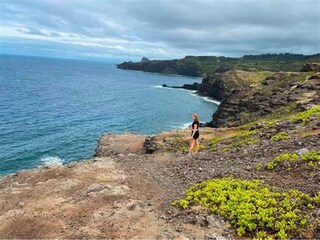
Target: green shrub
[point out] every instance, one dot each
(305, 115)
(287, 159)
(201, 147)
(259, 166)
(313, 158)
(252, 207)
(246, 141)
(245, 133)
(280, 136)
(215, 140)
(213, 149)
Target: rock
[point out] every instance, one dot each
(251, 103)
(214, 222)
(302, 151)
(150, 145)
(182, 237)
(72, 164)
(213, 236)
(309, 67)
(117, 204)
(131, 205)
(21, 204)
(97, 188)
(144, 59)
(115, 144)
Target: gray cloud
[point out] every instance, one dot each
(162, 29)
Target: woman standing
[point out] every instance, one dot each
(194, 134)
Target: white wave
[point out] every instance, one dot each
(172, 88)
(183, 126)
(211, 100)
(51, 160)
(157, 86)
(207, 99)
(193, 92)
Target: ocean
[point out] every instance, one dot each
(55, 110)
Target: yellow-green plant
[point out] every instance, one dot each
(244, 133)
(305, 115)
(246, 141)
(280, 136)
(287, 159)
(313, 158)
(282, 159)
(252, 207)
(215, 140)
(259, 166)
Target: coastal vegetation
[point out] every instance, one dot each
(201, 66)
(256, 175)
(253, 207)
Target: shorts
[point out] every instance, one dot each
(196, 135)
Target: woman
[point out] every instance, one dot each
(194, 134)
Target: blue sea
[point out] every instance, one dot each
(55, 110)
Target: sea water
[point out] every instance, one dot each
(54, 110)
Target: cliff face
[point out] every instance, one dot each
(180, 67)
(279, 93)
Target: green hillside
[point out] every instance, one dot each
(201, 66)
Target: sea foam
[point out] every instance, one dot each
(51, 160)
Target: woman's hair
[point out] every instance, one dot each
(196, 116)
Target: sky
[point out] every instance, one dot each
(163, 29)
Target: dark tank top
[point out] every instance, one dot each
(195, 122)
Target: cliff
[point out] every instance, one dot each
(279, 93)
(262, 160)
(124, 192)
(201, 66)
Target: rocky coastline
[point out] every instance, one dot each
(203, 66)
(126, 190)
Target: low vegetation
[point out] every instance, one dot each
(254, 208)
(280, 136)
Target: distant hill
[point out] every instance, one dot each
(201, 66)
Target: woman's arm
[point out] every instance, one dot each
(195, 126)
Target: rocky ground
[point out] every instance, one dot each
(120, 195)
(123, 194)
(126, 190)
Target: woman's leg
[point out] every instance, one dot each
(197, 145)
(192, 142)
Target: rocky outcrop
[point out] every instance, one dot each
(280, 93)
(144, 59)
(150, 144)
(222, 84)
(178, 67)
(311, 67)
(115, 144)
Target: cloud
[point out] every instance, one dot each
(162, 29)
